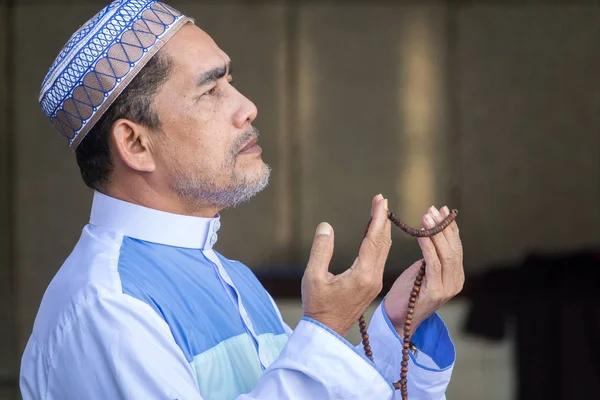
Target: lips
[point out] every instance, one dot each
(248, 145)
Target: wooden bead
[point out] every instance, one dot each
(365, 336)
(408, 322)
(411, 304)
(405, 357)
(409, 317)
(369, 354)
(413, 293)
(404, 363)
(404, 369)
(411, 312)
(416, 289)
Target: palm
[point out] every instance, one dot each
(396, 303)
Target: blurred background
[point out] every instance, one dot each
(491, 107)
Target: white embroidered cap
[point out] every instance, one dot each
(101, 59)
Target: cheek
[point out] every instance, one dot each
(202, 131)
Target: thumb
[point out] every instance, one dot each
(321, 252)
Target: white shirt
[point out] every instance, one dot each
(144, 308)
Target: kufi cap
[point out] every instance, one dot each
(101, 59)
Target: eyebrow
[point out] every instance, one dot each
(214, 74)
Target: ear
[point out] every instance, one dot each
(133, 145)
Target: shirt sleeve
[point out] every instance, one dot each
(429, 372)
(119, 348)
(317, 363)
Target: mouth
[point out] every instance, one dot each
(251, 147)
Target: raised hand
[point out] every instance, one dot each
(444, 277)
(337, 301)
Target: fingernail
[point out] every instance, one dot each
(379, 197)
(323, 229)
(429, 220)
(385, 204)
(445, 210)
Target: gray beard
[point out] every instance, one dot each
(206, 193)
(202, 192)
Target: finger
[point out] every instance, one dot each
(387, 230)
(433, 264)
(321, 253)
(439, 217)
(453, 238)
(374, 202)
(445, 252)
(453, 227)
(430, 220)
(376, 245)
(452, 234)
(377, 198)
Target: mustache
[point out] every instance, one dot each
(243, 139)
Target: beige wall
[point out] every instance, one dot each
(491, 108)
(8, 352)
(529, 119)
(371, 118)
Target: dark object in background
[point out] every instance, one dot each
(554, 301)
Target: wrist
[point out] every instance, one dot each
(335, 325)
(397, 316)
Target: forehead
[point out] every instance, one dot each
(194, 51)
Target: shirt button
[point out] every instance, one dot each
(217, 225)
(213, 239)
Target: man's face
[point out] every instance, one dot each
(205, 150)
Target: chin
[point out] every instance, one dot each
(253, 167)
(262, 175)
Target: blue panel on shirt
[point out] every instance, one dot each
(184, 288)
(254, 297)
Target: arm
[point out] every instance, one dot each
(317, 363)
(324, 338)
(119, 348)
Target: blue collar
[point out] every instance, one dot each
(151, 225)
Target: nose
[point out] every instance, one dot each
(245, 114)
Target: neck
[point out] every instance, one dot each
(159, 200)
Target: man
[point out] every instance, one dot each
(144, 308)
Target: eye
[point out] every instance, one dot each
(212, 91)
